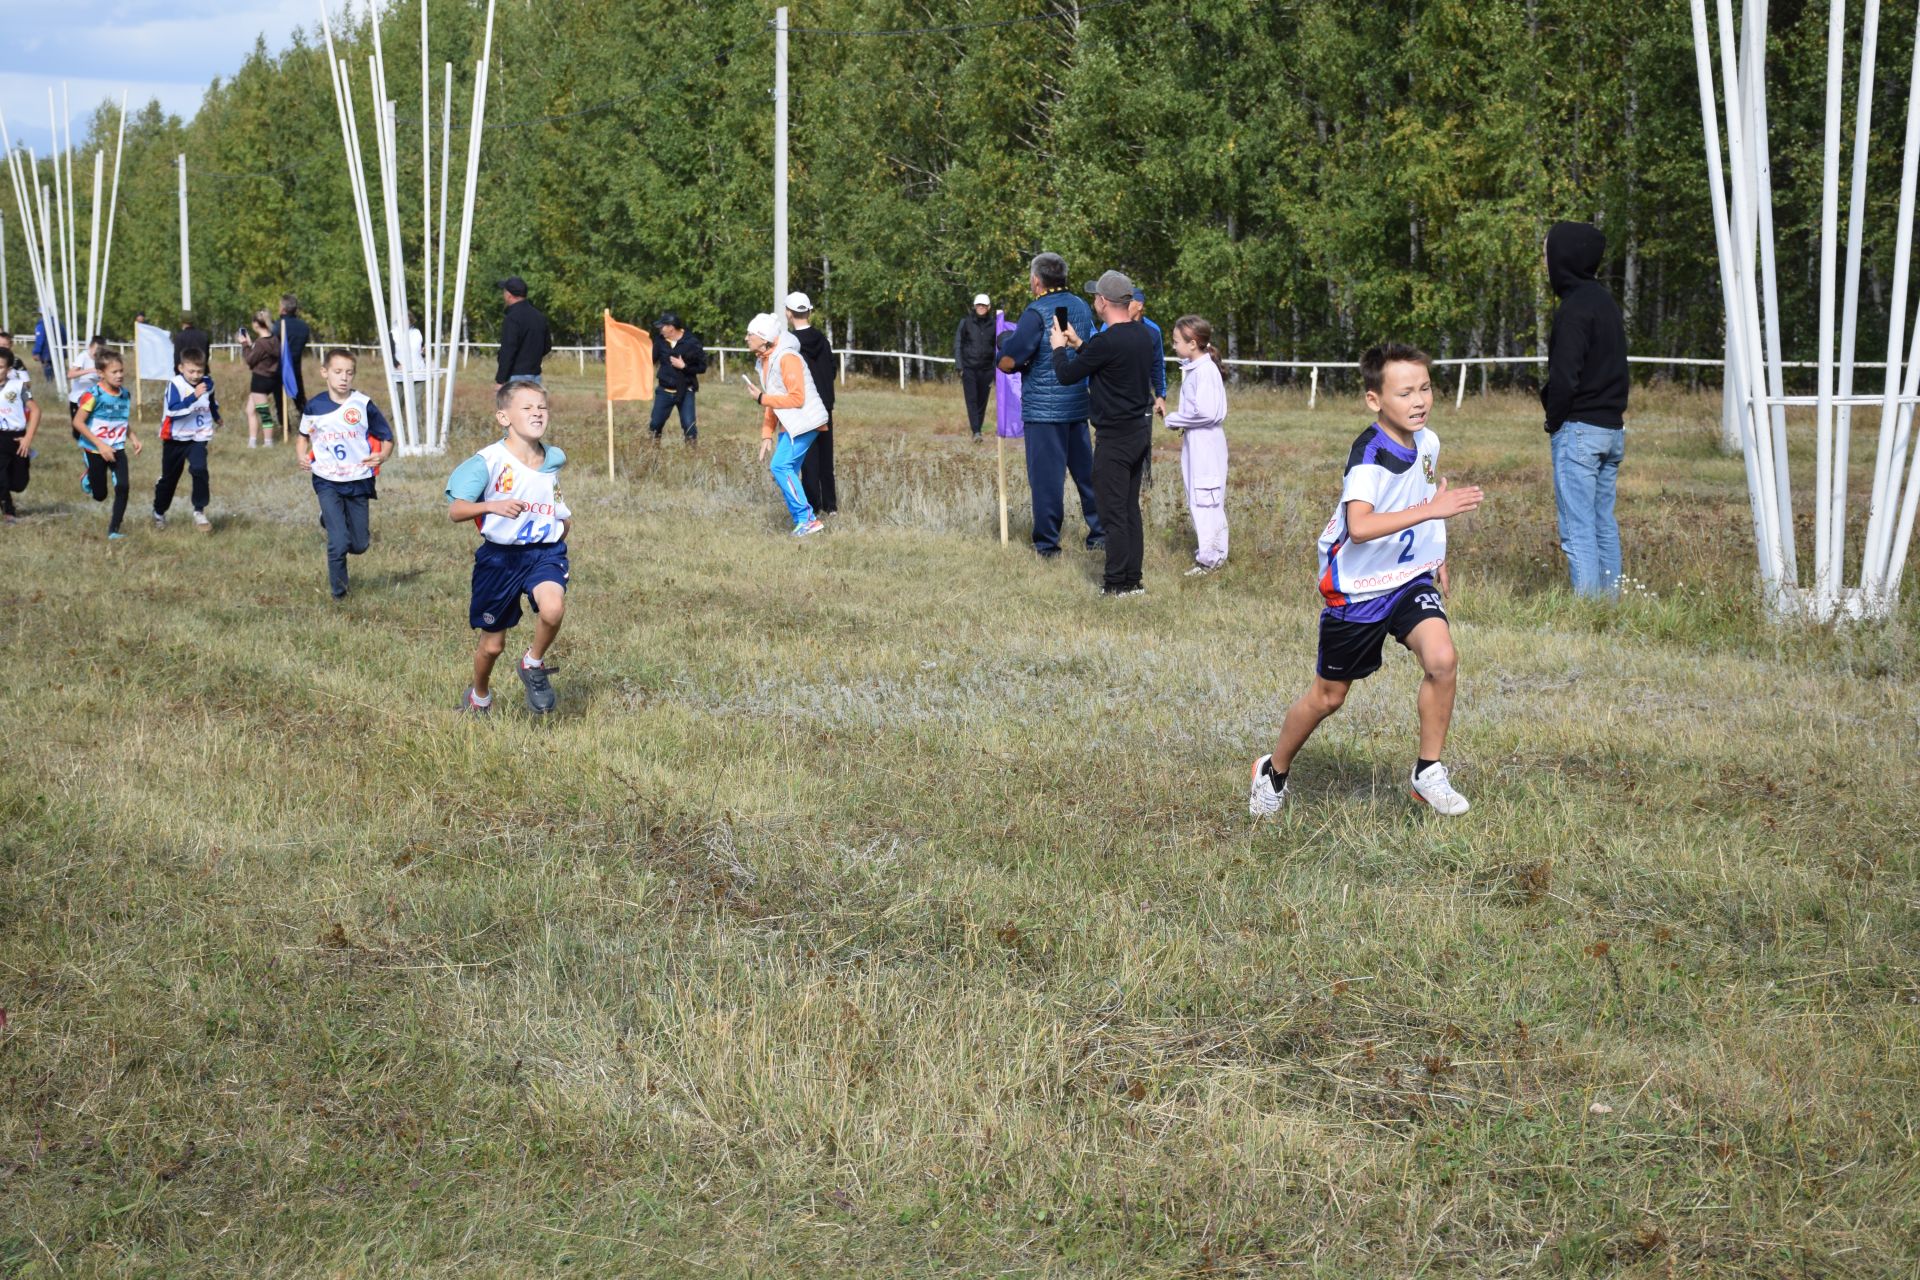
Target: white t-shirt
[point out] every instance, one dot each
(494, 473)
(15, 396)
(1389, 477)
(412, 364)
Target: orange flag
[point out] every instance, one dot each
(629, 361)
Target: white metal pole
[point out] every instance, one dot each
(1758, 164)
(425, 320)
(113, 204)
(78, 341)
(1823, 583)
(93, 247)
(59, 340)
(439, 442)
(1874, 556)
(388, 124)
(780, 164)
(1729, 287)
(55, 317)
(368, 246)
(6, 307)
(186, 268)
(474, 128)
(1850, 307)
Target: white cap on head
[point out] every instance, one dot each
(982, 300)
(765, 325)
(799, 303)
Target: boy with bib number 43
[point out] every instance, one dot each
(347, 440)
(510, 491)
(1383, 571)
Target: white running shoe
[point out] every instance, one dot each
(159, 520)
(201, 522)
(1433, 788)
(1262, 799)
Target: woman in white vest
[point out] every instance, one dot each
(793, 414)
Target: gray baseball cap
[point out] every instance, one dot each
(1112, 286)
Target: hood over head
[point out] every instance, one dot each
(1574, 250)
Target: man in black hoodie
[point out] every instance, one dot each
(974, 351)
(525, 338)
(1585, 398)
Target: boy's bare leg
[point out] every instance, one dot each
(492, 645)
(1322, 698)
(1432, 643)
(550, 601)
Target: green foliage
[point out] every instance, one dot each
(1311, 176)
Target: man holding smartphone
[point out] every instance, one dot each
(1117, 364)
(1053, 414)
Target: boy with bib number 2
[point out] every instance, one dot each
(1383, 569)
(509, 490)
(347, 440)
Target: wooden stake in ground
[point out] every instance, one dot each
(609, 439)
(1000, 449)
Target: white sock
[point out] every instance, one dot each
(528, 660)
(479, 701)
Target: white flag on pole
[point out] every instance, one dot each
(153, 346)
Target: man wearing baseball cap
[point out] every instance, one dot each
(1117, 365)
(525, 338)
(816, 350)
(679, 359)
(973, 353)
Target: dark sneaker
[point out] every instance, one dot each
(540, 695)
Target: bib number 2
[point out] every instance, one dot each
(1406, 552)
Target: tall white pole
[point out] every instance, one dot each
(474, 129)
(61, 340)
(368, 246)
(388, 126)
(1885, 493)
(779, 160)
(1850, 307)
(439, 441)
(93, 248)
(1755, 60)
(51, 238)
(426, 318)
(6, 307)
(79, 340)
(113, 204)
(1823, 583)
(186, 270)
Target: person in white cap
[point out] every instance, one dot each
(792, 414)
(816, 348)
(974, 349)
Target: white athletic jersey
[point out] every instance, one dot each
(195, 421)
(14, 398)
(80, 384)
(544, 513)
(1390, 477)
(339, 441)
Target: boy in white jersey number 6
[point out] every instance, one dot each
(347, 438)
(510, 491)
(1383, 570)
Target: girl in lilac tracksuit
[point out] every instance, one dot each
(1201, 421)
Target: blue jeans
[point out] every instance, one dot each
(665, 402)
(1055, 450)
(1586, 465)
(788, 453)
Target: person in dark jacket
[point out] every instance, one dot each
(190, 337)
(525, 338)
(1585, 398)
(43, 349)
(973, 355)
(1053, 415)
(678, 361)
(295, 337)
(816, 469)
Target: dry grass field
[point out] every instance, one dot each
(885, 905)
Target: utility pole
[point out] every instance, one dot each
(779, 160)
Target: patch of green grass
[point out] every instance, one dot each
(885, 905)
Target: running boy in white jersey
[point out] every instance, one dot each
(509, 490)
(186, 425)
(19, 423)
(347, 440)
(1379, 559)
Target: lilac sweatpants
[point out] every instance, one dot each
(1203, 468)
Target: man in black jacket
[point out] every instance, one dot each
(816, 349)
(1117, 365)
(973, 354)
(678, 362)
(189, 337)
(525, 338)
(1585, 398)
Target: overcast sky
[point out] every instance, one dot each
(165, 49)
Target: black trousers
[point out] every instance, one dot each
(15, 469)
(1120, 453)
(177, 456)
(97, 469)
(345, 516)
(816, 473)
(976, 384)
(665, 402)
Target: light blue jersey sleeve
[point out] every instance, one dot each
(468, 481)
(554, 460)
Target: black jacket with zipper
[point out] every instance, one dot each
(1587, 349)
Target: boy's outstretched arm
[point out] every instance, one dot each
(1366, 524)
(460, 510)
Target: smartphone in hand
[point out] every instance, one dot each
(1060, 319)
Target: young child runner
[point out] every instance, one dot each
(187, 421)
(80, 380)
(1201, 421)
(792, 415)
(1378, 559)
(347, 440)
(102, 421)
(19, 423)
(509, 489)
